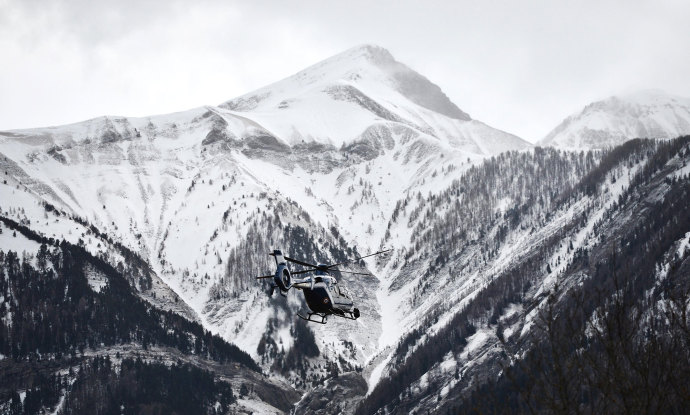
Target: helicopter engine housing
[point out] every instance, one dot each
(282, 278)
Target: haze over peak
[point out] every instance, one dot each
(371, 52)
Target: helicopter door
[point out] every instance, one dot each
(341, 298)
(318, 299)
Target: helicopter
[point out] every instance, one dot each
(322, 293)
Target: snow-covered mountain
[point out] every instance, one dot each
(610, 122)
(576, 255)
(335, 103)
(351, 155)
(315, 164)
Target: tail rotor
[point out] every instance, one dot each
(282, 278)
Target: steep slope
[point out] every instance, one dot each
(66, 313)
(630, 205)
(609, 334)
(188, 204)
(607, 123)
(477, 249)
(353, 154)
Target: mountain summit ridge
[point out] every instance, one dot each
(641, 114)
(373, 63)
(412, 84)
(338, 102)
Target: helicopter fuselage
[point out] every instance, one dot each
(322, 293)
(326, 296)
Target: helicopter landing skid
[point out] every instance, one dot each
(346, 314)
(308, 318)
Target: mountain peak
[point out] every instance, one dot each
(414, 86)
(367, 66)
(650, 113)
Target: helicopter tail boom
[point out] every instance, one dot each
(282, 277)
(278, 255)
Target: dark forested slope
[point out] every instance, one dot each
(64, 339)
(599, 336)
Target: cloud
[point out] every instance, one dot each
(519, 66)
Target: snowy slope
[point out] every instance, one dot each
(335, 101)
(645, 114)
(473, 271)
(314, 164)
(351, 155)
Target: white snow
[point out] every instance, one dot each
(682, 173)
(683, 245)
(377, 372)
(475, 341)
(60, 404)
(19, 243)
(151, 185)
(95, 279)
(645, 114)
(257, 407)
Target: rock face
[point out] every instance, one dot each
(607, 123)
(339, 395)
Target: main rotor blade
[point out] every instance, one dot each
(357, 259)
(302, 272)
(296, 261)
(264, 276)
(350, 272)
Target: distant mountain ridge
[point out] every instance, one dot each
(610, 122)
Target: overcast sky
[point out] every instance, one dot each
(521, 66)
